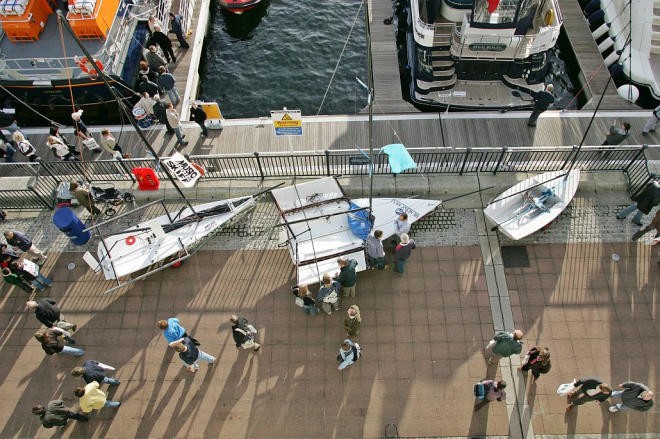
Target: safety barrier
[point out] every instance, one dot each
(33, 184)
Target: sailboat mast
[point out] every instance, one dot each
(121, 104)
(370, 84)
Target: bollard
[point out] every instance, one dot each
(67, 221)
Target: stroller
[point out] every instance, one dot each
(110, 197)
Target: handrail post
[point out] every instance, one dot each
(261, 171)
(500, 159)
(327, 162)
(465, 159)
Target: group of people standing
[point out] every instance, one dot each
(631, 395)
(56, 338)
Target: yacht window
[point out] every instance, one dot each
(504, 14)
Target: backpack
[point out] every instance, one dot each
(357, 352)
(480, 390)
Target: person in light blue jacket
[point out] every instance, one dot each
(349, 353)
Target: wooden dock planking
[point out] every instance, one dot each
(387, 83)
(589, 58)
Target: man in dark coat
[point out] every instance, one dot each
(146, 86)
(160, 111)
(634, 396)
(542, 100)
(588, 389)
(197, 114)
(56, 414)
(94, 371)
(346, 277)
(177, 29)
(243, 333)
(49, 315)
(158, 37)
(644, 201)
(22, 242)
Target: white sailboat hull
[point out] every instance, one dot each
(317, 230)
(516, 215)
(134, 249)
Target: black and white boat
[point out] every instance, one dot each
(479, 54)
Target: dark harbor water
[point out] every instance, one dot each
(284, 54)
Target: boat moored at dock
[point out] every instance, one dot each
(238, 6)
(473, 54)
(44, 71)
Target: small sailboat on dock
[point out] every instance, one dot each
(320, 224)
(533, 203)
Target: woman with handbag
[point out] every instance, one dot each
(537, 360)
(60, 149)
(328, 294)
(305, 300)
(80, 129)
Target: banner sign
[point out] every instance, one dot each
(182, 169)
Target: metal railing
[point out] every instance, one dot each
(40, 189)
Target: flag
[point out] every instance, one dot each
(492, 5)
(399, 157)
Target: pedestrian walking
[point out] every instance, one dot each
(167, 83)
(25, 147)
(160, 111)
(147, 86)
(198, 115)
(542, 100)
(504, 344)
(60, 149)
(636, 396)
(29, 272)
(16, 280)
(52, 342)
(93, 398)
(349, 353)
(80, 129)
(84, 198)
(54, 131)
(177, 29)
(352, 321)
(191, 355)
(402, 253)
(109, 143)
(49, 315)
(154, 59)
(650, 124)
(94, 371)
(173, 119)
(21, 241)
(305, 300)
(644, 202)
(173, 331)
(244, 334)
(654, 224)
(537, 360)
(56, 414)
(7, 149)
(144, 70)
(328, 295)
(616, 134)
(493, 391)
(163, 41)
(375, 251)
(346, 277)
(588, 389)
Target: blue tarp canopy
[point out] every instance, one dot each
(359, 222)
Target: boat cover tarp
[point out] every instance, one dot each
(399, 157)
(359, 222)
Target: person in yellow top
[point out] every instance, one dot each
(91, 397)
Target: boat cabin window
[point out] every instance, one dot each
(500, 14)
(429, 10)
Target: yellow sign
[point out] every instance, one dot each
(287, 122)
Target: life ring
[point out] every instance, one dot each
(549, 17)
(87, 67)
(130, 240)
